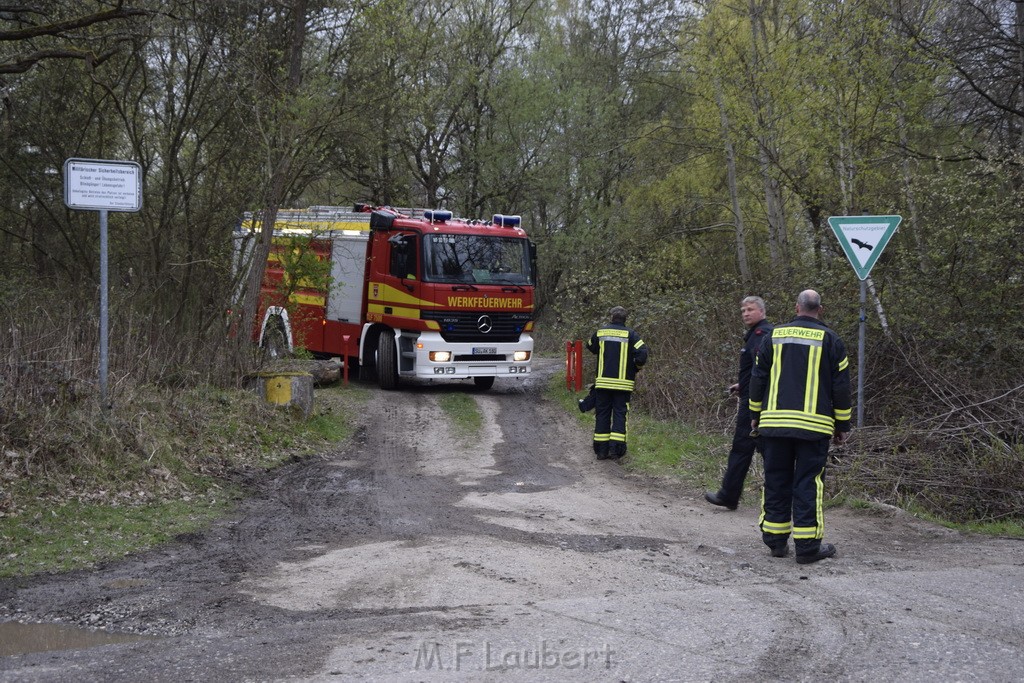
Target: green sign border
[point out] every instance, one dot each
(837, 222)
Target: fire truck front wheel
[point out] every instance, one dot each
(387, 360)
(483, 383)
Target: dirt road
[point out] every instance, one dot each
(412, 555)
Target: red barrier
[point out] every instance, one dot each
(574, 365)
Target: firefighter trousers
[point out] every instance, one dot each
(743, 446)
(610, 410)
(794, 473)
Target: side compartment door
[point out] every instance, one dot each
(348, 262)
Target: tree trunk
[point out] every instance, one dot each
(280, 156)
(764, 115)
(908, 192)
(730, 164)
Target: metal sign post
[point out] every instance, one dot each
(100, 185)
(860, 352)
(104, 310)
(863, 238)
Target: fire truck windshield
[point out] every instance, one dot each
(477, 259)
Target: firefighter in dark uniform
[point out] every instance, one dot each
(620, 353)
(799, 399)
(752, 311)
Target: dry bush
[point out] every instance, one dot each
(52, 426)
(952, 444)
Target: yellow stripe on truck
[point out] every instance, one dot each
(399, 311)
(308, 299)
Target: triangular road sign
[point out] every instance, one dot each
(863, 238)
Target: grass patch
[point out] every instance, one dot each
(161, 466)
(78, 535)
(463, 412)
(661, 448)
(1010, 528)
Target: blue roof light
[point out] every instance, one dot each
(507, 221)
(437, 215)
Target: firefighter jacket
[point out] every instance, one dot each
(751, 343)
(800, 383)
(620, 353)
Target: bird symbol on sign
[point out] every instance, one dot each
(862, 245)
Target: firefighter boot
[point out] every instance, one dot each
(825, 550)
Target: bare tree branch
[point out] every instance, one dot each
(60, 27)
(26, 62)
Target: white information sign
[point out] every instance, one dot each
(99, 185)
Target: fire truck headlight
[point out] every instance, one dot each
(521, 356)
(440, 356)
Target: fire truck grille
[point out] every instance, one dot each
(460, 326)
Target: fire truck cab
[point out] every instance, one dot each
(404, 293)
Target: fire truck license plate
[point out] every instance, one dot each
(480, 350)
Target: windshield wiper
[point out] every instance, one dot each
(465, 288)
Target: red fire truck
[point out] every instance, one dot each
(402, 292)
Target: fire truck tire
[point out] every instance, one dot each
(483, 383)
(387, 361)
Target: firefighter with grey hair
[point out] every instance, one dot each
(752, 312)
(620, 354)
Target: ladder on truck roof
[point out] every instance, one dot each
(318, 219)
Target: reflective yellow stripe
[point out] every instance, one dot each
(824, 421)
(612, 383)
(818, 530)
(843, 413)
(843, 364)
(613, 333)
(600, 359)
(760, 518)
(819, 507)
(773, 383)
(776, 527)
(800, 422)
(755, 406)
(811, 388)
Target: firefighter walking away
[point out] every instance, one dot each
(620, 354)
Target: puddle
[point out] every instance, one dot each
(20, 639)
